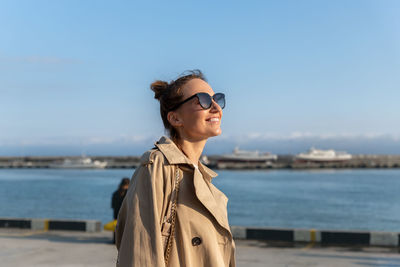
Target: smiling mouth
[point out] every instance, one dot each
(213, 120)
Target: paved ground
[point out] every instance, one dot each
(55, 248)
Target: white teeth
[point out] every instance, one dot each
(214, 119)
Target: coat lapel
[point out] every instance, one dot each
(212, 199)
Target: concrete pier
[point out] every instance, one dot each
(283, 162)
(21, 247)
(290, 162)
(51, 224)
(322, 237)
(47, 162)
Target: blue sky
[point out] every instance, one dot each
(75, 75)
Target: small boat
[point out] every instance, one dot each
(80, 163)
(248, 156)
(318, 155)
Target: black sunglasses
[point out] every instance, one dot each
(205, 100)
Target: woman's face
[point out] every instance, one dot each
(194, 122)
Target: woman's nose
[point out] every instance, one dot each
(215, 107)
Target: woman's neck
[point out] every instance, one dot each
(192, 149)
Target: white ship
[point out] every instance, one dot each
(317, 155)
(247, 156)
(80, 163)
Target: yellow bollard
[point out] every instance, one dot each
(110, 226)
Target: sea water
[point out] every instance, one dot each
(359, 199)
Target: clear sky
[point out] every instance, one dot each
(78, 72)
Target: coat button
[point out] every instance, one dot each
(196, 241)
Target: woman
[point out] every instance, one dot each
(172, 214)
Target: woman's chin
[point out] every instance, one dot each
(204, 135)
(217, 132)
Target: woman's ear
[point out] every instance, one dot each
(174, 119)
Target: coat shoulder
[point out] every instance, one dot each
(152, 156)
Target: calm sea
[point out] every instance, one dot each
(321, 199)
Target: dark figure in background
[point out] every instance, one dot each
(118, 196)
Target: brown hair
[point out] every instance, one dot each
(170, 94)
(124, 181)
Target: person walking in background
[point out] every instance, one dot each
(172, 214)
(118, 196)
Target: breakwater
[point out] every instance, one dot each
(213, 161)
(113, 162)
(324, 237)
(51, 224)
(290, 162)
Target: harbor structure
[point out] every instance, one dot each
(213, 161)
(79, 163)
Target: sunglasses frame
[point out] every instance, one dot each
(197, 95)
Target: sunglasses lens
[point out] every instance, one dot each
(219, 98)
(205, 100)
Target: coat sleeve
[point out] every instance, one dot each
(232, 262)
(138, 231)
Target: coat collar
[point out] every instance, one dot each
(214, 200)
(175, 156)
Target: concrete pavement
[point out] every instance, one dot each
(20, 247)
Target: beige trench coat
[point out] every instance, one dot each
(202, 233)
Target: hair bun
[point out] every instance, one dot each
(159, 88)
